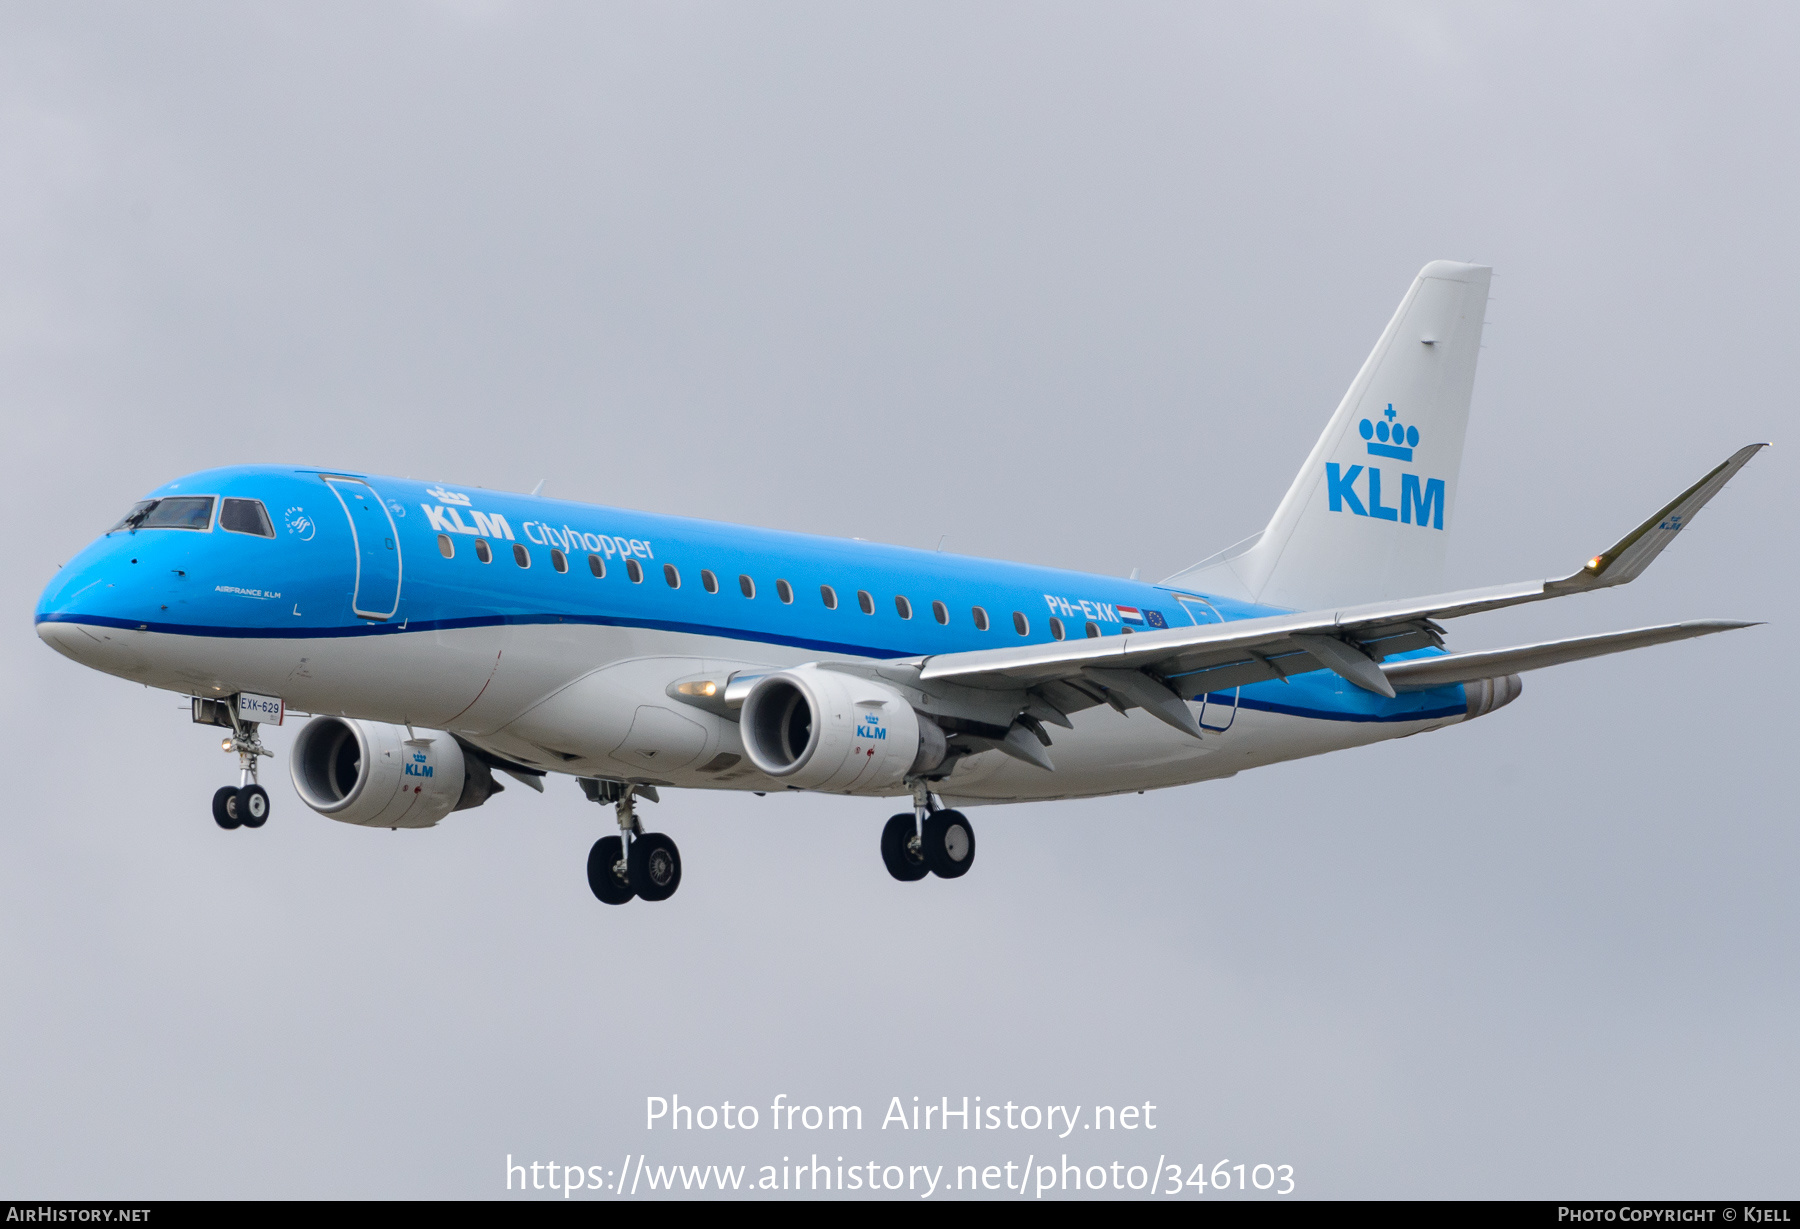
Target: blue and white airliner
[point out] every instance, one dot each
(439, 634)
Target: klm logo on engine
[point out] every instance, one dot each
(417, 767)
(869, 727)
(1421, 501)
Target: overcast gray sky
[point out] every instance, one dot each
(1071, 284)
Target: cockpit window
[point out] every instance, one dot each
(246, 516)
(179, 512)
(130, 519)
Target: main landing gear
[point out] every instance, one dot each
(929, 841)
(634, 863)
(245, 805)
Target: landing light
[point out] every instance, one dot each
(224, 744)
(1594, 564)
(706, 688)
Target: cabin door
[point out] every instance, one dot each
(377, 545)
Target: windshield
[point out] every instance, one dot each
(182, 512)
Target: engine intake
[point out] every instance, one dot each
(375, 775)
(818, 729)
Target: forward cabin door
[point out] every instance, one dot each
(377, 544)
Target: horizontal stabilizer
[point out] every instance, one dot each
(1424, 673)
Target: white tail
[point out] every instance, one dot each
(1367, 517)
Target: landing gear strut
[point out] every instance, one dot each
(634, 863)
(930, 841)
(245, 805)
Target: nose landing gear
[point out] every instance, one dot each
(636, 863)
(245, 805)
(929, 841)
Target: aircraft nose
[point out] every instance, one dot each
(89, 613)
(100, 648)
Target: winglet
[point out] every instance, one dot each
(1627, 558)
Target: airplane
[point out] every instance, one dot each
(439, 635)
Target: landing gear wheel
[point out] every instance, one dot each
(903, 861)
(253, 806)
(603, 871)
(654, 866)
(225, 807)
(948, 843)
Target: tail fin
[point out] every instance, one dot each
(1367, 516)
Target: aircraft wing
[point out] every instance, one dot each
(1155, 670)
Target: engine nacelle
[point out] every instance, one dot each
(819, 729)
(369, 773)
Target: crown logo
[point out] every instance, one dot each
(451, 497)
(1388, 438)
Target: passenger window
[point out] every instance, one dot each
(708, 581)
(1021, 624)
(521, 556)
(246, 516)
(558, 560)
(784, 591)
(981, 619)
(597, 566)
(634, 571)
(482, 551)
(904, 607)
(828, 595)
(746, 586)
(446, 547)
(1093, 631)
(1056, 628)
(672, 576)
(941, 613)
(866, 602)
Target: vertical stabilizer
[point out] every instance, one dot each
(1368, 515)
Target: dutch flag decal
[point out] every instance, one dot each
(1131, 614)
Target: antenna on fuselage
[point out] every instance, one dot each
(539, 488)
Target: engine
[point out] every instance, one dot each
(818, 729)
(376, 775)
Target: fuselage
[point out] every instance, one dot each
(550, 632)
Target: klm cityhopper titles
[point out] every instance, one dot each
(441, 636)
